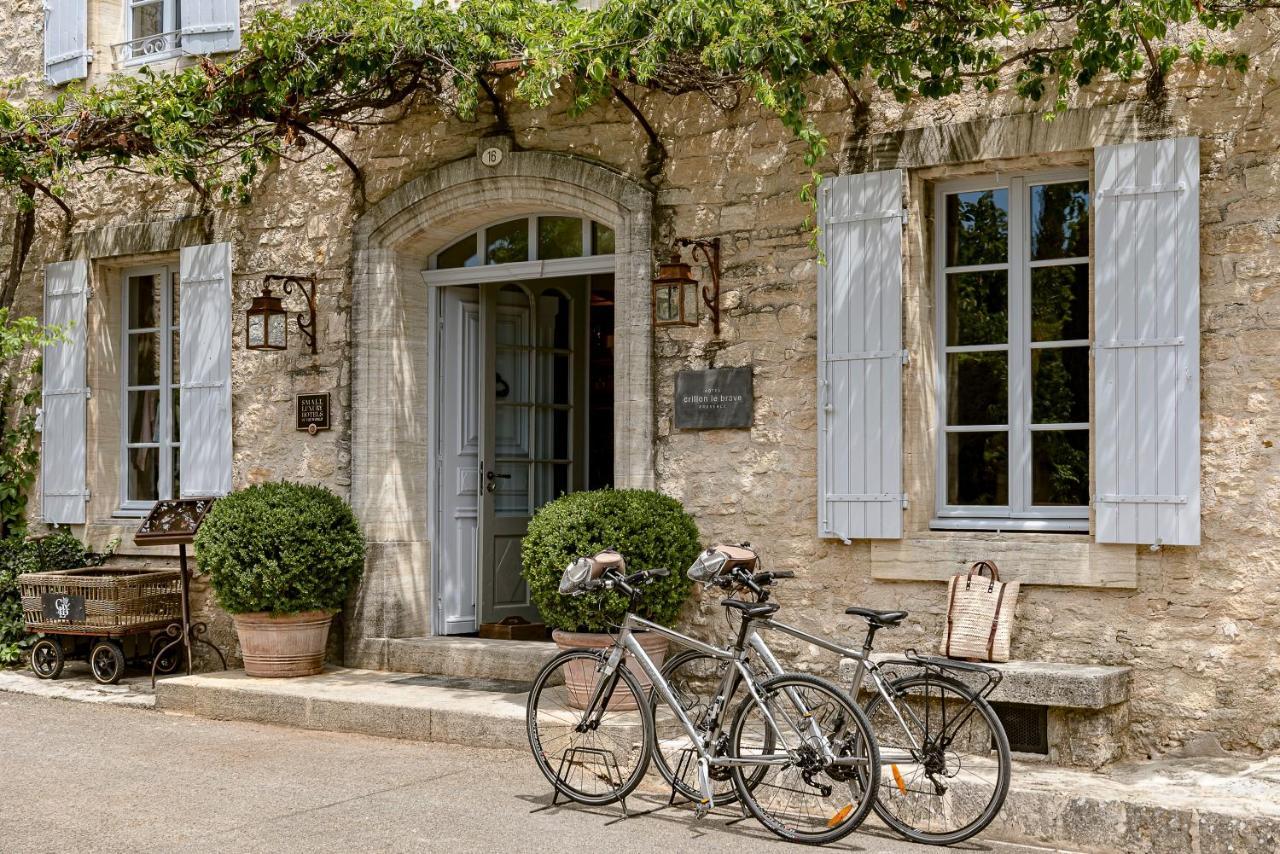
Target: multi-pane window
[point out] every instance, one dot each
(151, 28)
(1013, 285)
(535, 238)
(150, 376)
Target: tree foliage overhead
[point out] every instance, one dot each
(331, 65)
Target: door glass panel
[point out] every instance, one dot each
(507, 242)
(978, 469)
(511, 493)
(978, 228)
(1060, 220)
(559, 237)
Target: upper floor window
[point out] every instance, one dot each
(152, 28)
(1013, 330)
(149, 378)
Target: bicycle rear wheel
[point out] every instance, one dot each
(592, 759)
(946, 776)
(802, 798)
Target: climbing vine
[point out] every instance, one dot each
(307, 75)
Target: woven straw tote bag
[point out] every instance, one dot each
(979, 614)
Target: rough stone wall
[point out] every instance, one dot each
(1199, 628)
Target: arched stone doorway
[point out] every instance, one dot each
(391, 432)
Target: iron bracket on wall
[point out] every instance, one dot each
(710, 250)
(306, 319)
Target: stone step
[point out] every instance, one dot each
(466, 657)
(369, 702)
(1174, 805)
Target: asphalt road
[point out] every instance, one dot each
(79, 778)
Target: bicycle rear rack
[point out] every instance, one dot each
(940, 667)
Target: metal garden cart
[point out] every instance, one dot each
(113, 615)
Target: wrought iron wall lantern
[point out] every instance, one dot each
(267, 321)
(676, 292)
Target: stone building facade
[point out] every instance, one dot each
(1197, 624)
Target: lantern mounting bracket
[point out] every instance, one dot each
(710, 250)
(307, 285)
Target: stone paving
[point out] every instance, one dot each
(112, 779)
(1174, 805)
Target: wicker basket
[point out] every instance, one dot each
(117, 600)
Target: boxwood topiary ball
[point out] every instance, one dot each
(283, 548)
(651, 531)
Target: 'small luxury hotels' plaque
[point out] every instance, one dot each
(714, 399)
(313, 412)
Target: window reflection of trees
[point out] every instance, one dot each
(977, 314)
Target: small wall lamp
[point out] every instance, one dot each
(267, 323)
(676, 291)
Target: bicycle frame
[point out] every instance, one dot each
(626, 642)
(865, 666)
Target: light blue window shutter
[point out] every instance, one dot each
(66, 41)
(1147, 342)
(205, 391)
(860, 357)
(210, 26)
(65, 396)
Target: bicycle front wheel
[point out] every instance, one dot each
(595, 756)
(945, 776)
(791, 787)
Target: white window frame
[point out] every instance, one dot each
(165, 429)
(534, 268)
(1020, 514)
(170, 29)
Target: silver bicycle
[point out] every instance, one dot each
(799, 754)
(944, 753)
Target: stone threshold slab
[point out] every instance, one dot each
(468, 657)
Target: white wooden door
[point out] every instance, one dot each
(534, 408)
(458, 399)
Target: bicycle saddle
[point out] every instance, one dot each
(881, 619)
(751, 609)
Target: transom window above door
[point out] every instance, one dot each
(545, 237)
(1012, 278)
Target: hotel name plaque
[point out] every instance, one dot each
(714, 399)
(313, 412)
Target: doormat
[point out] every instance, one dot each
(495, 686)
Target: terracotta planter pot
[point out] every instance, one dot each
(285, 644)
(580, 675)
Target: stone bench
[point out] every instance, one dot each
(1084, 706)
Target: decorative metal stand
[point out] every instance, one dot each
(174, 523)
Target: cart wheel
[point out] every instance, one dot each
(167, 663)
(106, 660)
(46, 658)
